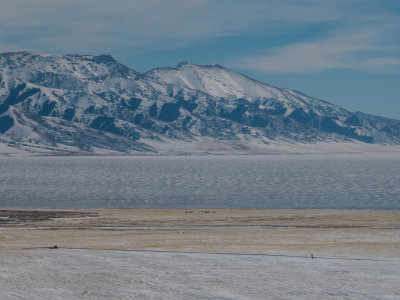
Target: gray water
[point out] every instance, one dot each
(232, 182)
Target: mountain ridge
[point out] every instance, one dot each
(92, 104)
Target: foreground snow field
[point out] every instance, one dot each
(161, 254)
(100, 274)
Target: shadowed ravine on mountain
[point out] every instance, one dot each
(87, 103)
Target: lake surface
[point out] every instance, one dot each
(232, 182)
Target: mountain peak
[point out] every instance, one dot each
(105, 58)
(214, 80)
(184, 64)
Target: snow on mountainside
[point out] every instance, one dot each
(220, 82)
(213, 80)
(73, 103)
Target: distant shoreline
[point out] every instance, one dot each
(221, 148)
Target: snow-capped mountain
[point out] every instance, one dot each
(95, 104)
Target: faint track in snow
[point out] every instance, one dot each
(215, 253)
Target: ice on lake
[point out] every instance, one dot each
(353, 181)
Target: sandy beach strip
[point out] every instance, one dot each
(336, 233)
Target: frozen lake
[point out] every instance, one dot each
(236, 182)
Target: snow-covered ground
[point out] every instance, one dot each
(204, 146)
(87, 274)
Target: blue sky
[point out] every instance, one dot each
(343, 51)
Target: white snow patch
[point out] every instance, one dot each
(85, 274)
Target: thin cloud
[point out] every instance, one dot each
(362, 50)
(84, 24)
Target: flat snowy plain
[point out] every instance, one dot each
(99, 274)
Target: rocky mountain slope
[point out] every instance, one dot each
(75, 103)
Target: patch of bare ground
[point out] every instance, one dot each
(23, 216)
